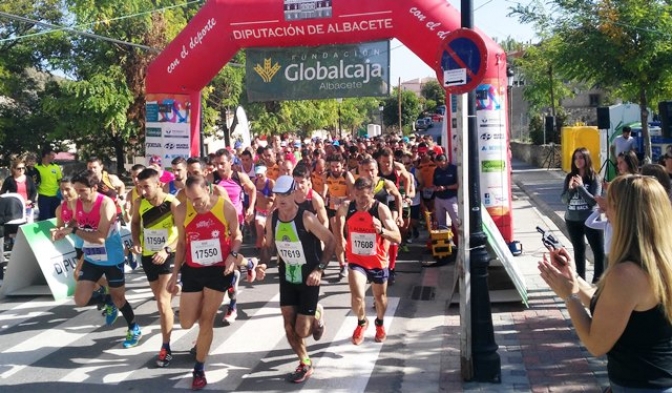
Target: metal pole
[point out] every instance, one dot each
(486, 361)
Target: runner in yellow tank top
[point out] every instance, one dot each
(155, 238)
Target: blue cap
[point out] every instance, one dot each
(405, 139)
(336, 143)
(237, 144)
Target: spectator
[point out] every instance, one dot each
(445, 192)
(627, 163)
(21, 184)
(580, 188)
(50, 176)
(630, 317)
(623, 143)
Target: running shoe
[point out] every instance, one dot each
(230, 316)
(303, 372)
(358, 335)
(164, 358)
(318, 329)
(199, 380)
(380, 333)
(133, 337)
(111, 313)
(404, 248)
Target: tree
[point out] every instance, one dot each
(24, 49)
(94, 65)
(619, 44)
(410, 109)
(433, 91)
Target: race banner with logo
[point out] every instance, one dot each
(38, 266)
(308, 73)
(167, 127)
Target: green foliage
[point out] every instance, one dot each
(430, 106)
(410, 109)
(622, 45)
(433, 91)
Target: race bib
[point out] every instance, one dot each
(206, 252)
(291, 252)
(363, 243)
(155, 239)
(95, 251)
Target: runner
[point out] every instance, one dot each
(306, 197)
(297, 234)
(370, 228)
(179, 167)
(134, 193)
(103, 252)
(208, 242)
(268, 159)
(337, 192)
(265, 199)
(155, 238)
(397, 174)
(235, 183)
(317, 177)
(386, 192)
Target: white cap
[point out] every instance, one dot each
(260, 169)
(284, 184)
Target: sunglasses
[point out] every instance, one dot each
(20, 168)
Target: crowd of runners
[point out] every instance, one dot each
(302, 203)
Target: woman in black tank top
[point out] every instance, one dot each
(630, 317)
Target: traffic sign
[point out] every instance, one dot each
(463, 61)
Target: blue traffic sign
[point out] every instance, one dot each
(463, 60)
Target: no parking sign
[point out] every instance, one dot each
(463, 60)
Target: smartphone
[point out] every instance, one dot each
(550, 241)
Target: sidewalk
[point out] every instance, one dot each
(538, 346)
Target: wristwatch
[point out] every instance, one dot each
(321, 267)
(168, 250)
(234, 254)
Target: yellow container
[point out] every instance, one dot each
(441, 234)
(580, 136)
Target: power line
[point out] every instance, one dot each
(78, 32)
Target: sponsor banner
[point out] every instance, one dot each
(38, 266)
(167, 128)
(333, 71)
(492, 145)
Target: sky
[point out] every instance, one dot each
(487, 17)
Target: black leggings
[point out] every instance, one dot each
(577, 230)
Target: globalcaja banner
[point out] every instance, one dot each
(167, 127)
(332, 71)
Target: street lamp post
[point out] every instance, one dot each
(486, 361)
(381, 108)
(510, 74)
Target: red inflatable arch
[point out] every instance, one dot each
(223, 27)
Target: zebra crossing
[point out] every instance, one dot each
(47, 345)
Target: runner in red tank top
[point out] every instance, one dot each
(370, 229)
(209, 238)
